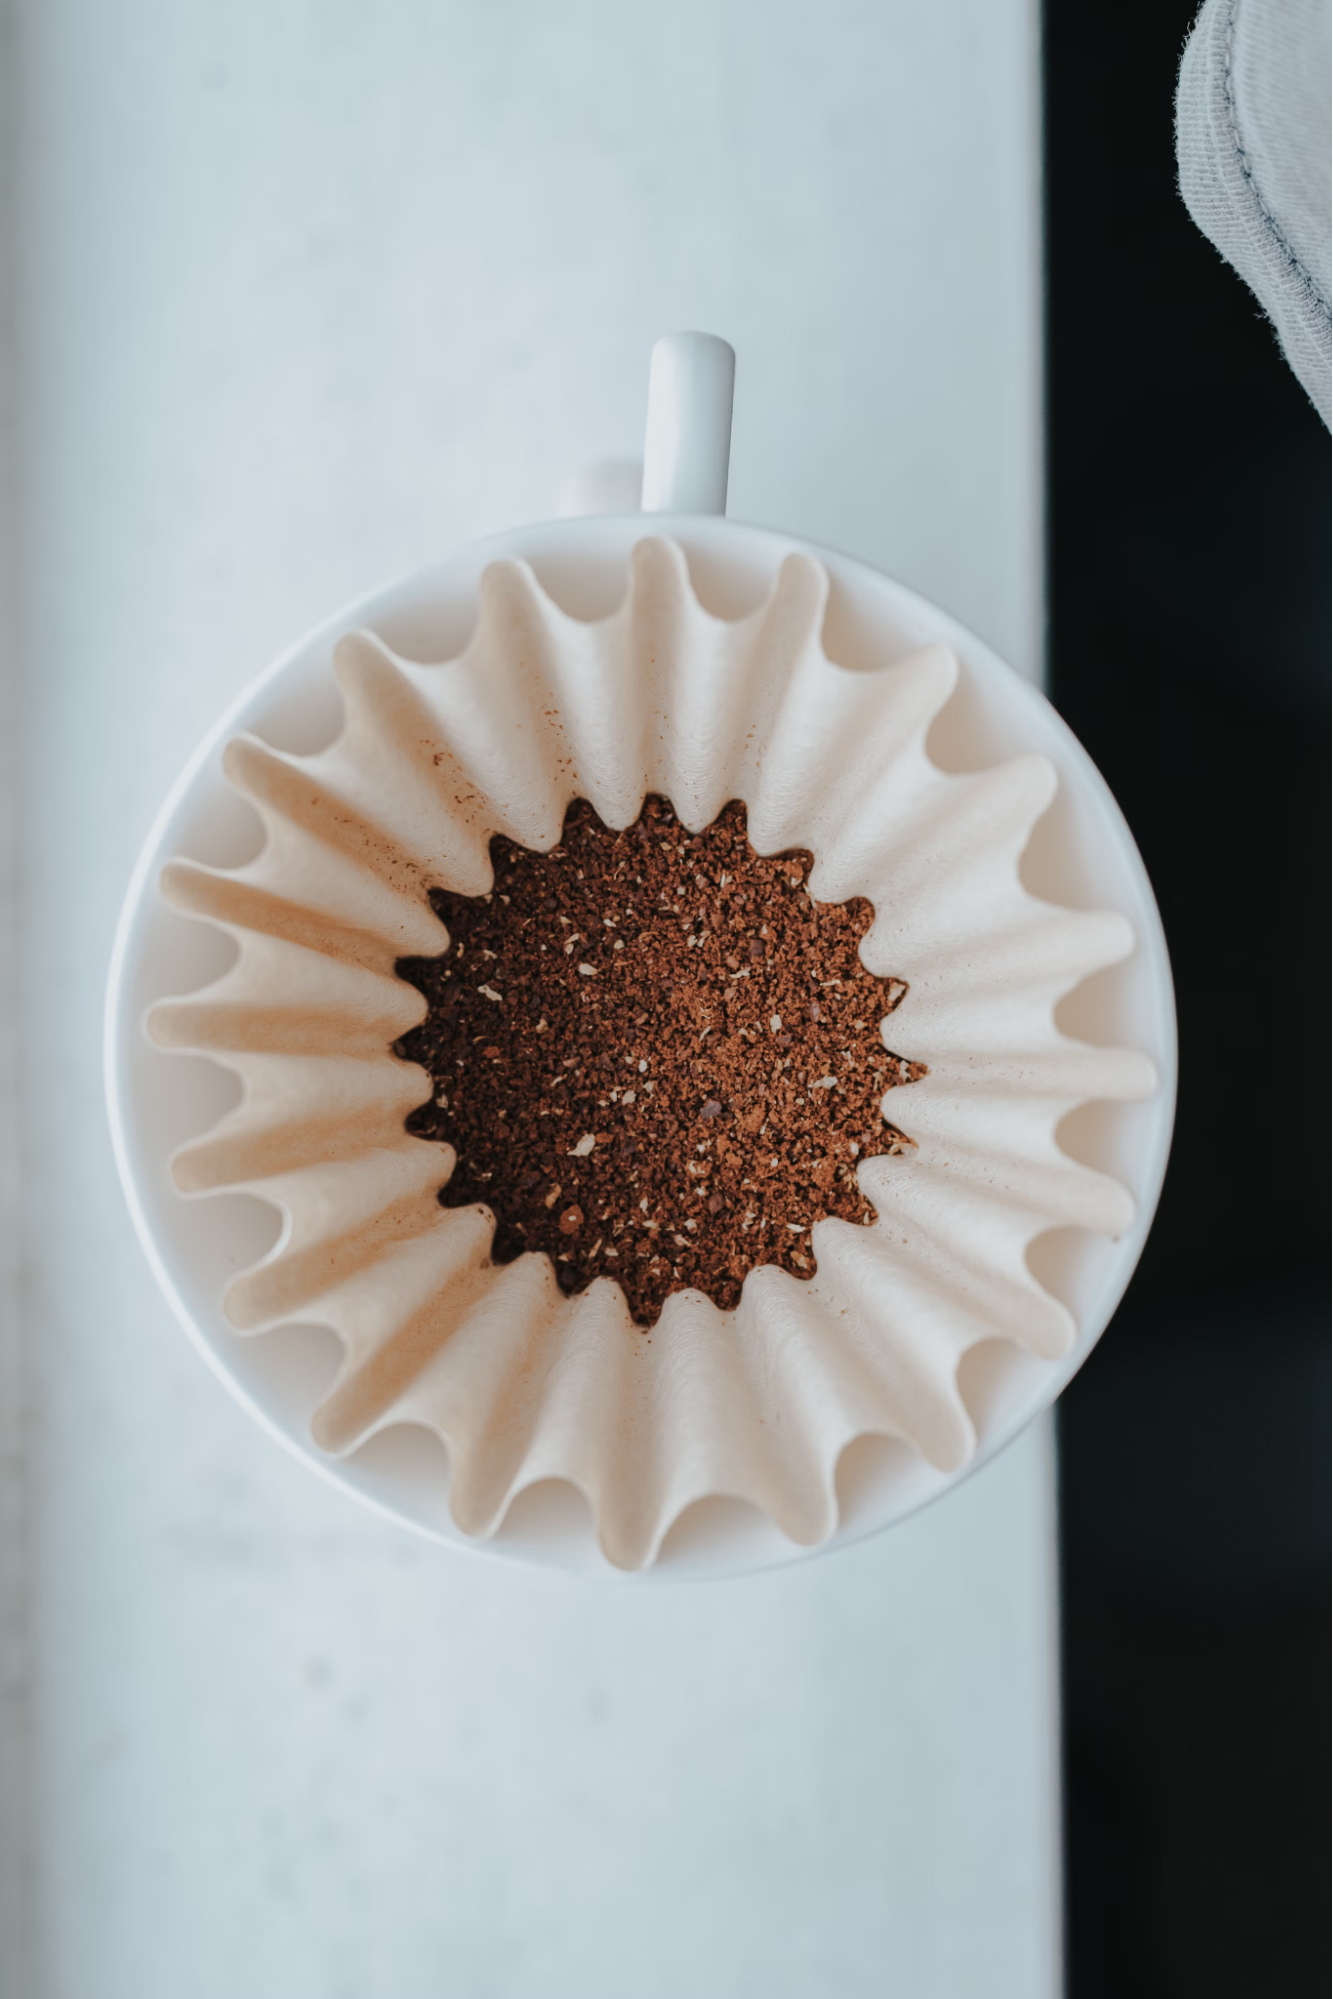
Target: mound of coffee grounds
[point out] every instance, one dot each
(657, 1058)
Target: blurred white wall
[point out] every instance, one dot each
(307, 290)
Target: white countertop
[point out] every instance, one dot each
(307, 293)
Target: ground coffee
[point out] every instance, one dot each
(657, 1058)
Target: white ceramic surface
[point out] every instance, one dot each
(1081, 855)
(310, 294)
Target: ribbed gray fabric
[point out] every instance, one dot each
(1252, 147)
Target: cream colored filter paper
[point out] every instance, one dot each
(520, 1382)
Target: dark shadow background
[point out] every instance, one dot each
(1189, 537)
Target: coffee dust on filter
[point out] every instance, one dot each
(657, 1058)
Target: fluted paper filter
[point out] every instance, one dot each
(520, 1382)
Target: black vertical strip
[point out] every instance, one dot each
(1188, 546)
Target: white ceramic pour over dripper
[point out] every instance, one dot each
(1082, 855)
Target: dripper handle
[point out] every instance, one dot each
(687, 450)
